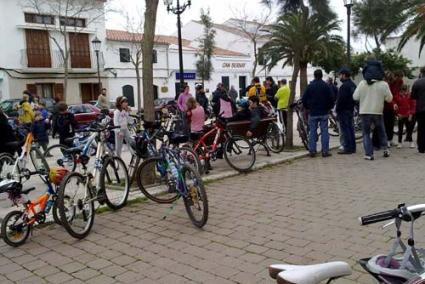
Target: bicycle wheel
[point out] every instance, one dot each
(56, 155)
(190, 157)
(114, 182)
(7, 163)
(275, 139)
(76, 212)
(155, 182)
(303, 134)
(333, 127)
(239, 153)
(38, 160)
(14, 229)
(196, 203)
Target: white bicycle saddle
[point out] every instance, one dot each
(308, 274)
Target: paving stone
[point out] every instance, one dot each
(19, 275)
(85, 274)
(58, 278)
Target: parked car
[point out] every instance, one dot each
(10, 106)
(111, 104)
(85, 113)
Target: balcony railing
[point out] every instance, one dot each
(35, 58)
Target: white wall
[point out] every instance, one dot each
(410, 50)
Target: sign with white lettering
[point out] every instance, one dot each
(233, 65)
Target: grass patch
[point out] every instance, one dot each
(130, 203)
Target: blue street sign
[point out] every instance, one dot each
(186, 76)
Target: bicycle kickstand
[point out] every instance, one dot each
(169, 210)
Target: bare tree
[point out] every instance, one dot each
(252, 27)
(63, 31)
(147, 54)
(134, 28)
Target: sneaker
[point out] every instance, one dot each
(386, 153)
(389, 144)
(412, 145)
(312, 155)
(369, 158)
(325, 155)
(399, 146)
(393, 143)
(344, 152)
(341, 148)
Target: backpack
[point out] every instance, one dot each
(226, 110)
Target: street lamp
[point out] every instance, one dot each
(178, 10)
(348, 4)
(96, 47)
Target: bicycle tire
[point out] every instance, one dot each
(231, 147)
(7, 161)
(4, 226)
(191, 158)
(66, 221)
(151, 172)
(196, 193)
(303, 135)
(68, 163)
(55, 213)
(275, 139)
(112, 184)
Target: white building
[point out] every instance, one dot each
(410, 50)
(30, 58)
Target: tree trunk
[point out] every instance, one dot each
(254, 67)
(65, 65)
(148, 43)
(139, 91)
(293, 86)
(303, 78)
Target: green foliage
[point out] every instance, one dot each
(391, 60)
(415, 24)
(320, 7)
(379, 18)
(337, 57)
(204, 66)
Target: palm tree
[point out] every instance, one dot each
(297, 39)
(415, 24)
(320, 7)
(374, 21)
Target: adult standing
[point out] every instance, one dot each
(282, 98)
(257, 89)
(345, 111)
(102, 100)
(181, 101)
(318, 100)
(233, 94)
(201, 97)
(271, 91)
(372, 95)
(395, 82)
(418, 94)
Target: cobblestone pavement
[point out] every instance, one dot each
(303, 212)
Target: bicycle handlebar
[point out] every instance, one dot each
(402, 212)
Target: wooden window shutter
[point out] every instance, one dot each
(80, 50)
(59, 92)
(38, 48)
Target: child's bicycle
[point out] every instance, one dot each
(16, 225)
(403, 267)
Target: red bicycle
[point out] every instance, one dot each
(219, 141)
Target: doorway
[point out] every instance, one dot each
(242, 86)
(89, 92)
(128, 92)
(226, 82)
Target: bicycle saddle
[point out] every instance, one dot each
(15, 144)
(308, 274)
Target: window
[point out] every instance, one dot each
(155, 56)
(261, 57)
(39, 19)
(79, 47)
(124, 55)
(38, 49)
(72, 22)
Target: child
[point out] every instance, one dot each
(195, 115)
(39, 130)
(64, 123)
(405, 108)
(43, 110)
(121, 118)
(26, 114)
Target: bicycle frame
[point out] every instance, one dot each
(219, 132)
(24, 155)
(41, 202)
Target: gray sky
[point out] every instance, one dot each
(220, 11)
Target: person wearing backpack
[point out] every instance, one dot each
(257, 90)
(223, 105)
(64, 124)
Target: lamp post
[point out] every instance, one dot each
(96, 47)
(348, 4)
(178, 10)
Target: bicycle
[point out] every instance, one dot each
(16, 225)
(302, 125)
(108, 183)
(385, 269)
(178, 179)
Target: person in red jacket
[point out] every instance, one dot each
(405, 108)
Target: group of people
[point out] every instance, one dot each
(382, 98)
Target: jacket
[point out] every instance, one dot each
(418, 94)
(258, 90)
(345, 101)
(270, 93)
(282, 97)
(64, 124)
(39, 130)
(217, 108)
(202, 99)
(256, 115)
(181, 101)
(372, 97)
(373, 71)
(26, 114)
(318, 98)
(406, 105)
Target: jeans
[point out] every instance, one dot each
(313, 122)
(283, 116)
(346, 121)
(378, 122)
